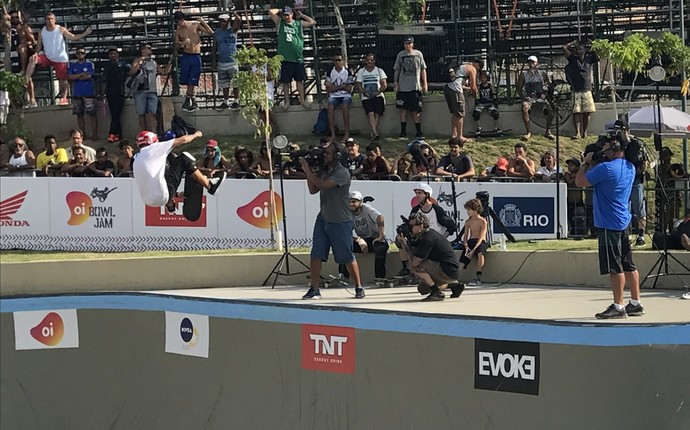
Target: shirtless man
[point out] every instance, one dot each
(188, 38)
(520, 166)
(124, 161)
(474, 239)
(26, 47)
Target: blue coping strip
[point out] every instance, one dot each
(569, 333)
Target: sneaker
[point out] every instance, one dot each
(194, 105)
(186, 105)
(634, 310)
(234, 106)
(359, 293)
(111, 138)
(435, 296)
(223, 106)
(312, 294)
(63, 102)
(404, 272)
(419, 135)
(423, 289)
(639, 241)
(216, 181)
(476, 283)
(402, 134)
(479, 130)
(457, 288)
(526, 137)
(549, 136)
(611, 312)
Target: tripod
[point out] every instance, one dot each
(287, 255)
(491, 214)
(661, 263)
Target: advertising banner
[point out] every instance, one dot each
(91, 207)
(328, 348)
(46, 329)
(107, 214)
(187, 334)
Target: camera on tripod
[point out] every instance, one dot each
(483, 197)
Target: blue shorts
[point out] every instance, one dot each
(335, 235)
(290, 70)
(337, 101)
(190, 69)
(145, 102)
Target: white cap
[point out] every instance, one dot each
(355, 195)
(224, 16)
(424, 187)
(532, 58)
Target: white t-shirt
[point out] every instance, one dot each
(365, 222)
(546, 172)
(433, 221)
(149, 173)
(89, 153)
(371, 81)
(54, 45)
(341, 77)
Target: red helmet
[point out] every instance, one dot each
(146, 138)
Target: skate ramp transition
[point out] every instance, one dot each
(259, 358)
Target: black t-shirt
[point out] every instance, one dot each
(461, 164)
(431, 245)
(106, 165)
(353, 163)
(486, 93)
(579, 72)
(114, 75)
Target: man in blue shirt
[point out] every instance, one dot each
(612, 181)
(225, 47)
(83, 91)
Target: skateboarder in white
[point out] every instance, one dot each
(158, 171)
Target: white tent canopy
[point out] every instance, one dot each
(645, 121)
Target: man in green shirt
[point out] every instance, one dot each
(291, 47)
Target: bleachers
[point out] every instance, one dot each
(450, 28)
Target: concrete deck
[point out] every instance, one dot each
(508, 301)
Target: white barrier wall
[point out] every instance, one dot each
(107, 214)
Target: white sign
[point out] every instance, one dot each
(91, 207)
(46, 329)
(186, 334)
(23, 203)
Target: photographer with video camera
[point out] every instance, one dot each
(611, 175)
(333, 227)
(432, 258)
(437, 219)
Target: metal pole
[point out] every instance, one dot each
(684, 100)
(317, 74)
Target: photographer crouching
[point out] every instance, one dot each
(611, 175)
(432, 258)
(333, 227)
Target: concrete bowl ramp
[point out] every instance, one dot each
(499, 357)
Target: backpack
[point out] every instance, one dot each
(636, 153)
(136, 82)
(180, 127)
(321, 125)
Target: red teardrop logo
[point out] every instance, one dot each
(50, 331)
(258, 213)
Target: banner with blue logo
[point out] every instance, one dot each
(526, 215)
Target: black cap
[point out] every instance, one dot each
(573, 160)
(178, 16)
(112, 48)
(287, 10)
(409, 39)
(666, 150)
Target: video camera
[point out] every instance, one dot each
(635, 150)
(314, 157)
(404, 229)
(483, 197)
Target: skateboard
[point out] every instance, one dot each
(332, 282)
(396, 281)
(193, 192)
(490, 133)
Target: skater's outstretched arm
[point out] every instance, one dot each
(186, 139)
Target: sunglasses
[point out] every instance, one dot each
(338, 60)
(81, 53)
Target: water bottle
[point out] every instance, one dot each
(502, 242)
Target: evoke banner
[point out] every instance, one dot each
(501, 365)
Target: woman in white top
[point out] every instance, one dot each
(22, 160)
(548, 170)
